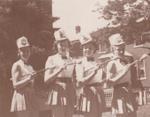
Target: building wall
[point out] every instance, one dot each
(137, 53)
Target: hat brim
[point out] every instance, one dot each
(62, 39)
(122, 43)
(24, 46)
(87, 42)
(90, 42)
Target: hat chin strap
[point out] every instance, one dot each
(66, 53)
(118, 55)
(25, 60)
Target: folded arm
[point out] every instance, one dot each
(16, 73)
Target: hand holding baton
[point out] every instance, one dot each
(121, 73)
(99, 65)
(35, 74)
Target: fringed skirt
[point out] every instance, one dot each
(24, 100)
(90, 102)
(61, 94)
(123, 100)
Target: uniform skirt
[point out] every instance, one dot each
(123, 101)
(24, 100)
(90, 102)
(61, 93)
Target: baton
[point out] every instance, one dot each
(45, 69)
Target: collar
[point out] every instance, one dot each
(123, 60)
(64, 57)
(90, 59)
(25, 62)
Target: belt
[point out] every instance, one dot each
(63, 79)
(126, 84)
(93, 84)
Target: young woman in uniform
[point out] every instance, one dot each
(119, 76)
(59, 78)
(23, 101)
(88, 76)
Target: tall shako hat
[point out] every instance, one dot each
(85, 40)
(22, 42)
(60, 36)
(116, 39)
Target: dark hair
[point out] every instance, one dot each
(94, 45)
(54, 48)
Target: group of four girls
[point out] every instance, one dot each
(73, 83)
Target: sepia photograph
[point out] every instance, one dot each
(74, 58)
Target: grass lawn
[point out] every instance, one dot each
(143, 111)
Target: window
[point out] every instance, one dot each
(147, 95)
(138, 43)
(103, 47)
(145, 36)
(142, 39)
(141, 70)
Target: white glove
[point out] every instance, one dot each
(144, 56)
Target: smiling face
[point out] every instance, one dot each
(89, 50)
(63, 47)
(119, 50)
(24, 53)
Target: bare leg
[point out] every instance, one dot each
(27, 114)
(58, 111)
(33, 114)
(22, 114)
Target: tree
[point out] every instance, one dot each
(129, 17)
(30, 18)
